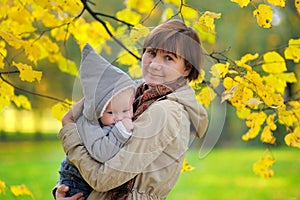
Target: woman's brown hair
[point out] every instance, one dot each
(175, 37)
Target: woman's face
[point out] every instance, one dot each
(161, 66)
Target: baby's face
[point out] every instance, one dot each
(119, 108)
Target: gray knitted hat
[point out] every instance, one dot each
(100, 81)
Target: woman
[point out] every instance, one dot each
(165, 110)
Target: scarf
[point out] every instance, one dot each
(146, 94)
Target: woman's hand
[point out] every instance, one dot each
(60, 194)
(72, 114)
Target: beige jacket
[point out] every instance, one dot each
(154, 153)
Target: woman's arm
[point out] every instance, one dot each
(73, 114)
(153, 131)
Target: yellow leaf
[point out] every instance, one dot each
(245, 59)
(243, 113)
(254, 122)
(242, 3)
(131, 3)
(286, 117)
(292, 52)
(64, 64)
(220, 70)
(32, 52)
(251, 133)
(297, 5)
(176, 3)
(206, 96)
(6, 90)
(49, 20)
(60, 109)
(204, 34)
(228, 83)
(167, 14)
(3, 53)
(127, 59)
(207, 20)
(262, 167)
(293, 138)
(138, 32)
(11, 39)
(274, 63)
(19, 190)
(196, 84)
(73, 7)
(267, 135)
(2, 187)
(263, 15)
(186, 167)
(23, 101)
(60, 34)
(135, 71)
(279, 81)
(189, 13)
(277, 2)
(129, 16)
(205, 26)
(140, 5)
(26, 72)
(271, 123)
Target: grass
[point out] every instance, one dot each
(223, 174)
(34, 164)
(227, 174)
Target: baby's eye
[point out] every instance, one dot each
(125, 111)
(110, 112)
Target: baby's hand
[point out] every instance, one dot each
(127, 122)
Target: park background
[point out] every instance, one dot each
(30, 152)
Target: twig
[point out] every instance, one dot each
(26, 91)
(94, 15)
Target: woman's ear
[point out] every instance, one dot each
(187, 71)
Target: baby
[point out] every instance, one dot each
(106, 120)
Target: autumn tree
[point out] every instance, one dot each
(34, 32)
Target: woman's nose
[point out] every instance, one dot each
(156, 64)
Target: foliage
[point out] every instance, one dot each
(15, 191)
(256, 85)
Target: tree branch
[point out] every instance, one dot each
(149, 14)
(26, 91)
(114, 18)
(219, 56)
(11, 72)
(95, 16)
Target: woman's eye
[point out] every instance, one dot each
(151, 52)
(169, 58)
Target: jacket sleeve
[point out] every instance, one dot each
(153, 131)
(103, 146)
